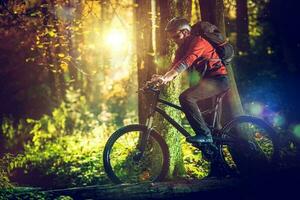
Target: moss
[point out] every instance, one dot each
(171, 135)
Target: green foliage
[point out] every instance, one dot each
(4, 180)
(120, 102)
(194, 163)
(13, 135)
(20, 195)
(170, 134)
(65, 149)
(29, 193)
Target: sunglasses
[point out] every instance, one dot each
(176, 36)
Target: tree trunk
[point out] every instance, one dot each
(283, 20)
(145, 65)
(261, 187)
(242, 43)
(185, 9)
(53, 74)
(73, 43)
(171, 93)
(179, 190)
(207, 8)
(232, 102)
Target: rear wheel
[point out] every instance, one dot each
(124, 162)
(289, 150)
(252, 146)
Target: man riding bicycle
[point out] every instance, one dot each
(197, 52)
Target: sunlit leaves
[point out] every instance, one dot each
(64, 66)
(65, 144)
(61, 55)
(52, 33)
(40, 46)
(230, 6)
(194, 163)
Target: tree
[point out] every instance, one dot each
(242, 23)
(169, 9)
(73, 45)
(152, 45)
(213, 11)
(145, 51)
(283, 20)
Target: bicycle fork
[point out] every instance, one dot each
(144, 137)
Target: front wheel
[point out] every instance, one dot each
(125, 162)
(253, 147)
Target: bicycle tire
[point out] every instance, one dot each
(289, 149)
(109, 169)
(253, 155)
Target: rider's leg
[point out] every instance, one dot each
(207, 88)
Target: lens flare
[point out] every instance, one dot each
(296, 130)
(278, 120)
(256, 108)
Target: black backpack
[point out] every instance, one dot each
(212, 34)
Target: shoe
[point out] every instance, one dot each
(200, 139)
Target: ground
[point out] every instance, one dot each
(283, 184)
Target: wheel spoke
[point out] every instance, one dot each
(254, 148)
(127, 164)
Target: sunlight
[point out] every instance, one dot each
(116, 40)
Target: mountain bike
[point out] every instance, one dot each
(138, 153)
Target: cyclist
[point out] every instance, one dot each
(195, 51)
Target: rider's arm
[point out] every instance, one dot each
(170, 75)
(196, 49)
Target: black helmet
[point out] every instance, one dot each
(176, 24)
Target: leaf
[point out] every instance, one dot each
(30, 121)
(52, 33)
(61, 55)
(64, 66)
(68, 58)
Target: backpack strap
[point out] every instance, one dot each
(205, 69)
(222, 44)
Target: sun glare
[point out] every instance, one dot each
(116, 40)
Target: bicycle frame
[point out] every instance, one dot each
(155, 108)
(170, 119)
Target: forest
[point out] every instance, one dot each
(71, 70)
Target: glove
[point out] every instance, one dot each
(156, 78)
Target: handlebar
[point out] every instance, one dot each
(152, 86)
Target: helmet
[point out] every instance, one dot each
(176, 24)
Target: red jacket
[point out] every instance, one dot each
(198, 51)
